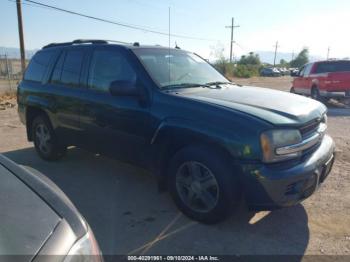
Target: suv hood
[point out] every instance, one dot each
(276, 107)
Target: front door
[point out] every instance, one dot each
(115, 125)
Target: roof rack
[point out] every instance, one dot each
(78, 41)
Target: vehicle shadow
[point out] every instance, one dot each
(129, 216)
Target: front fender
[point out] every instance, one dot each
(239, 142)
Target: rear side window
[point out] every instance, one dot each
(57, 72)
(71, 67)
(68, 67)
(108, 66)
(336, 66)
(38, 65)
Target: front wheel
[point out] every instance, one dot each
(203, 185)
(45, 139)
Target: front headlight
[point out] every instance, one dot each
(85, 249)
(273, 139)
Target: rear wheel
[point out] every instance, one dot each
(45, 139)
(315, 94)
(292, 90)
(203, 184)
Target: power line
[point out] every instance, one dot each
(135, 27)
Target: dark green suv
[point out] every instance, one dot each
(209, 142)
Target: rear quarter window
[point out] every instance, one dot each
(38, 66)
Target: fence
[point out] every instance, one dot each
(10, 73)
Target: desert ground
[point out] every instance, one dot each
(129, 216)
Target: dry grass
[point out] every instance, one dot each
(8, 100)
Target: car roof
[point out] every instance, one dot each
(332, 61)
(98, 42)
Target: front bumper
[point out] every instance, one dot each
(268, 187)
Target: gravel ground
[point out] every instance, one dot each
(129, 216)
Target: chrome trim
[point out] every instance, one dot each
(305, 144)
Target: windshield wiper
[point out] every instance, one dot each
(217, 83)
(185, 85)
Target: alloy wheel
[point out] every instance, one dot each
(43, 138)
(197, 186)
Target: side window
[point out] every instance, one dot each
(73, 61)
(57, 72)
(38, 66)
(108, 66)
(342, 66)
(324, 68)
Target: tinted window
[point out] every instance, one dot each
(336, 66)
(57, 72)
(108, 66)
(38, 66)
(71, 67)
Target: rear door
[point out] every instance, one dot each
(334, 76)
(116, 125)
(66, 89)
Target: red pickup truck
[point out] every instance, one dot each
(323, 80)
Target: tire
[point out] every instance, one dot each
(210, 191)
(315, 94)
(292, 90)
(45, 140)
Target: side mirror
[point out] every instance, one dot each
(123, 88)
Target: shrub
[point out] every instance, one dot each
(246, 71)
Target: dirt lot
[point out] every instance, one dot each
(129, 216)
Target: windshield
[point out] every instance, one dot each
(175, 68)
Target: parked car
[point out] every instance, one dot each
(270, 72)
(284, 71)
(38, 219)
(323, 80)
(294, 71)
(208, 141)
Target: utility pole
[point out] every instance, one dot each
(21, 38)
(274, 60)
(328, 51)
(292, 55)
(232, 26)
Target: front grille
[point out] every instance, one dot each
(310, 128)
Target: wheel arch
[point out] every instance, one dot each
(169, 140)
(31, 113)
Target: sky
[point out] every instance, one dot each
(316, 24)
